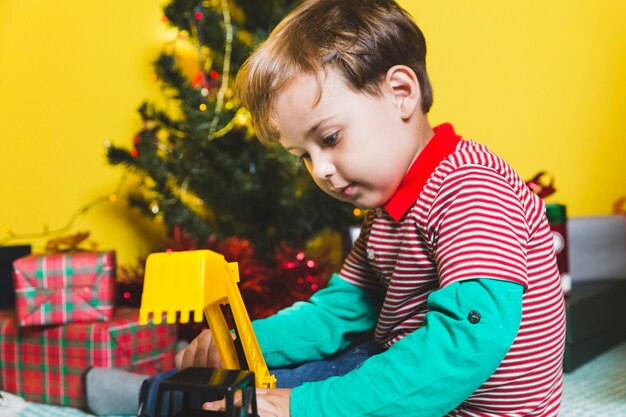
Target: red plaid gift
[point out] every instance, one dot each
(64, 288)
(45, 364)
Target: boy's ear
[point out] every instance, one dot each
(405, 88)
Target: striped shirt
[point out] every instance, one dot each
(462, 213)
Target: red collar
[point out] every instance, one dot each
(442, 144)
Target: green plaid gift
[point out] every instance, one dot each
(45, 364)
(64, 288)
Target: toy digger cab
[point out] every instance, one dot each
(182, 286)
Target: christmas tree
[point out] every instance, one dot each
(202, 171)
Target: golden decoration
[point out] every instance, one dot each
(71, 242)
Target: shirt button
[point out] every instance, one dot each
(371, 255)
(473, 316)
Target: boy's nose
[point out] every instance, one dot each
(322, 168)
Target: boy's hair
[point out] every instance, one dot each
(360, 39)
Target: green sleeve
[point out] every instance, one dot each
(330, 321)
(432, 370)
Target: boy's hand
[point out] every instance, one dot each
(273, 402)
(201, 352)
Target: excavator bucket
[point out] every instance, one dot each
(181, 286)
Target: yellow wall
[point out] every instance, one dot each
(72, 74)
(542, 83)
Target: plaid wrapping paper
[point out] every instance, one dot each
(64, 288)
(45, 364)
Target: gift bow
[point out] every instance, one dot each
(619, 207)
(71, 242)
(540, 188)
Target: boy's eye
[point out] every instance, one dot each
(330, 140)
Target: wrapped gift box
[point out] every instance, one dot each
(64, 288)
(595, 314)
(8, 254)
(44, 364)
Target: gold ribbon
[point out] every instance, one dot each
(72, 242)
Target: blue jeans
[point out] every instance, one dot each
(338, 365)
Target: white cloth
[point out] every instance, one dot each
(10, 405)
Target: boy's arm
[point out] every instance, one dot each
(330, 321)
(468, 330)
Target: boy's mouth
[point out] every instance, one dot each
(345, 191)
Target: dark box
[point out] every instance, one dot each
(595, 314)
(7, 288)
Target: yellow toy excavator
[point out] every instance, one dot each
(179, 285)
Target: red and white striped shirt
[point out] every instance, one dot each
(462, 213)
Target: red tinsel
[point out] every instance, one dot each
(266, 288)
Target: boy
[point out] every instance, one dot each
(453, 276)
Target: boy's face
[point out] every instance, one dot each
(357, 147)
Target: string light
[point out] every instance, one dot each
(357, 212)
(83, 210)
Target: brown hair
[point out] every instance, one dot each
(360, 39)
